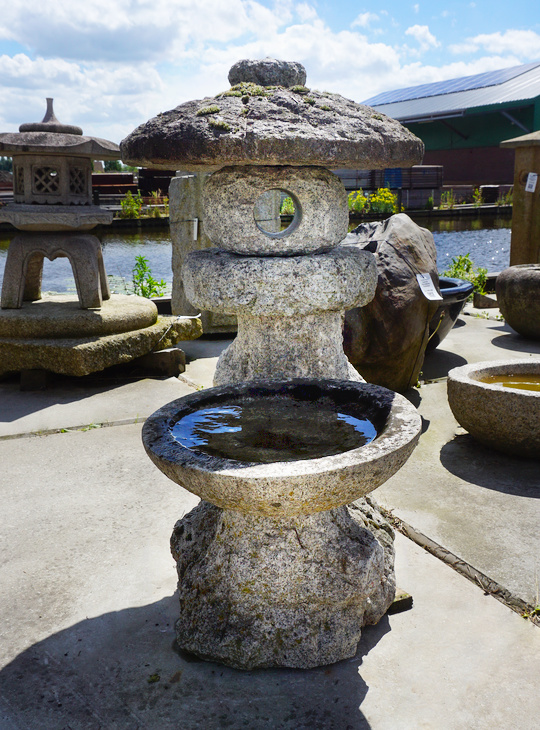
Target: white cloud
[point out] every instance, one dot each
(112, 64)
(423, 37)
(416, 8)
(524, 44)
(364, 19)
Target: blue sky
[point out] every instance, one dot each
(112, 64)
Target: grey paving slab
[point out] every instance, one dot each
(88, 610)
(72, 402)
(480, 504)
(201, 359)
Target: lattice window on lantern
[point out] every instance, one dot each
(46, 180)
(77, 181)
(19, 179)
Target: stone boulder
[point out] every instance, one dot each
(517, 295)
(386, 339)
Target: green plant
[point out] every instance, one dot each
(507, 198)
(287, 207)
(463, 268)
(383, 200)
(448, 199)
(248, 88)
(429, 203)
(213, 109)
(131, 205)
(299, 89)
(358, 202)
(325, 107)
(158, 199)
(477, 197)
(144, 284)
(219, 124)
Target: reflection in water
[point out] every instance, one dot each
(522, 381)
(264, 430)
(119, 251)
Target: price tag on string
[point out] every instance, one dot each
(530, 185)
(428, 287)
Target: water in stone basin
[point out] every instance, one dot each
(267, 430)
(523, 381)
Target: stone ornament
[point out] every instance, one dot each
(268, 72)
(320, 221)
(252, 124)
(63, 318)
(501, 418)
(273, 569)
(285, 489)
(24, 268)
(278, 285)
(67, 218)
(518, 297)
(52, 170)
(311, 616)
(386, 339)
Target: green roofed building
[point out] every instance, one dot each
(462, 121)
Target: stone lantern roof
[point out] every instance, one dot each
(269, 117)
(52, 170)
(51, 137)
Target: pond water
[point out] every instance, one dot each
(487, 241)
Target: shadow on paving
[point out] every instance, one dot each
(512, 341)
(62, 390)
(120, 671)
(438, 364)
(469, 460)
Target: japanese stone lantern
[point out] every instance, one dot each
(274, 569)
(53, 211)
(52, 180)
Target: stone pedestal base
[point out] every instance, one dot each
(54, 334)
(259, 592)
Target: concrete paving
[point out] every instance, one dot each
(87, 581)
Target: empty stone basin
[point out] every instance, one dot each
(302, 455)
(504, 418)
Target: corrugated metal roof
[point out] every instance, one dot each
(521, 87)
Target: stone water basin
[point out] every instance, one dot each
(502, 415)
(283, 448)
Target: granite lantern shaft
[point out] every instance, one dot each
(274, 569)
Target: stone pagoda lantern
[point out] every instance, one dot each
(52, 190)
(274, 569)
(53, 212)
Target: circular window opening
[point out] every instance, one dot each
(277, 213)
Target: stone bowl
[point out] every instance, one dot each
(288, 488)
(517, 294)
(506, 419)
(455, 293)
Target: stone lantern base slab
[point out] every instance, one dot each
(260, 592)
(89, 342)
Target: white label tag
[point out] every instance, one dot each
(428, 287)
(532, 179)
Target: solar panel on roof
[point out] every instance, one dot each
(465, 83)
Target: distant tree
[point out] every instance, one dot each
(112, 166)
(6, 163)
